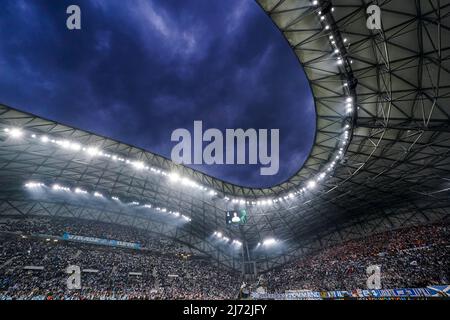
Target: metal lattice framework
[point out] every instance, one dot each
(394, 172)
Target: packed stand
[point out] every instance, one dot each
(106, 272)
(408, 258)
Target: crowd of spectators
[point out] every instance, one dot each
(413, 257)
(162, 269)
(57, 226)
(34, 259)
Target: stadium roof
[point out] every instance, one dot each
(380, 158)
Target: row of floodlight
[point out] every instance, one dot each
(79, 191)
(92, 151)
(268, 242)
(219, 235)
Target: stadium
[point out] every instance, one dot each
(84, 216)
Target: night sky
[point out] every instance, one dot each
(140, 69)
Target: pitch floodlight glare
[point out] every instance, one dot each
(139, 165)
(269, 242)
(174, 177)
(33, 185)
(92, 151)
(15, 132)
(311, 184)
(237, 242)
(80, 191)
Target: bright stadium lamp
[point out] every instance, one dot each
(16, 133)
(139, 165)
(174, 177)
(92, 151)
(33, 185)
(80, 191)
(311, 184)
(75, 147)
(269, 242)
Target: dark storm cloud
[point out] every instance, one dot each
(140, 69)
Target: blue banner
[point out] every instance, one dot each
(440, 291)
(105, 242)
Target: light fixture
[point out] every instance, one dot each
(269, 242)
(92, 151)
(15, 133)
(80, 191)
(33, 185)
(139, 165)
(311, 184)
